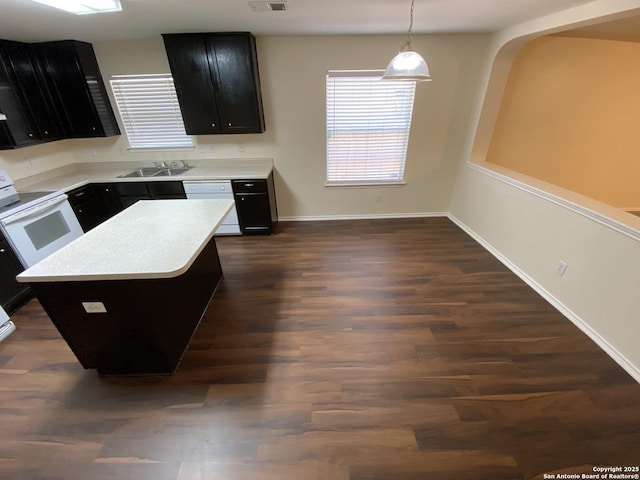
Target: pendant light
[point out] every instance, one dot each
(407, 65)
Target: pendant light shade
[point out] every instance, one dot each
(407, 65)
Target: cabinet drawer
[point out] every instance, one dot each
(80, 195)
(249, 186)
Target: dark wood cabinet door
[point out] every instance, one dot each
(33, 90)
(256, 205)
(254, 215)
(5, 136)
(166, 190)
(89, 214)
(77, 88)
(19, 126)
(12, 293)
(237, 80)
(109, 198)
(217, 81)
(87, 206)
(194, 81)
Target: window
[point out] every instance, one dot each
(150, 111)
(368, 123)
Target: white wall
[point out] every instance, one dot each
(531, 231)
(292, 71)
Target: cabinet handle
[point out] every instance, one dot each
(106, 189)
(79, 210)
(79, 194)
(213, 124)
(46, 133)
(2, 250)
(249, 184)
(229, 123)
(93, 128)
(31, 135)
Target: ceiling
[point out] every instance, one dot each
(24, 20)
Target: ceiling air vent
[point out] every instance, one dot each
(268, 6)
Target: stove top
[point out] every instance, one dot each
(19, 201)
(11, 200)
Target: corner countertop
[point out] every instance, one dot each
(78, 174)
(150, 239)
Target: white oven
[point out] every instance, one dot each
(36, 224)
(6, 326)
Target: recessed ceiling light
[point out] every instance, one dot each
(83, 7)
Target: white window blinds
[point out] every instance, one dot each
(368, 123)
(150, 111)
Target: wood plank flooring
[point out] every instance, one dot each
(351, 350)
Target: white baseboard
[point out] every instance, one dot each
(618, 357)
(321, 218)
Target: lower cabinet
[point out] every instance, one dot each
(109, 198)
(256, 205)
(87, 206)
(131, 192)
(254, 198)
(12, 293)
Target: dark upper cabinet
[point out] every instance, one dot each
(50, 91)
(217, 81)
(33, 91)
(75, 82)
(5, 136)
(18, 124)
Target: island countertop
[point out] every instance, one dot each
(150, 239)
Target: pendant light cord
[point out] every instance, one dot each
(407, 43)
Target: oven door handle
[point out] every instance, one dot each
(35, 210)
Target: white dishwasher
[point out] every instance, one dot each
(212, 189)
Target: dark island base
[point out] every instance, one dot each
(148, 324)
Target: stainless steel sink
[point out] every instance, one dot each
(168, 172)
(154, 172)
(140, 172)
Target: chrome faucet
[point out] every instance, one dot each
(161, 164)
(177, 164)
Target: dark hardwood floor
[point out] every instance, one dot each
(352, 350)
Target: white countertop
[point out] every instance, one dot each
(150, 239)
(78, 174)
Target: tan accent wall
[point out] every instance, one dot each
(570, 116)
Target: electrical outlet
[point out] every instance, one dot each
(378, 197)
(212, 148)
(242, 147)
(94, 307)
(561, 268)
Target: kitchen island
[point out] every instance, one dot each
(128, 296)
